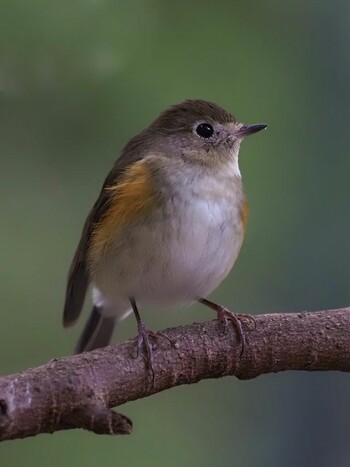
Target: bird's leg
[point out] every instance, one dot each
(224, 315)
(143, 337)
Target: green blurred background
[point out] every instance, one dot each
(77, 80)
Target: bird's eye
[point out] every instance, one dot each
(204, 130)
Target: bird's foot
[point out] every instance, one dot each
(143, 341)
(225, 316)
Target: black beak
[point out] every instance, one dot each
(247, 130)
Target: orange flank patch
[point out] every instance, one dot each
(132, 196)
(244, 214)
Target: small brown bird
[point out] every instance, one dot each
(167, 226)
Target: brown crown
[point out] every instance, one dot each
(184, 115)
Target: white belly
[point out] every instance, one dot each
(181, 255)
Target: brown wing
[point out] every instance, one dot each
(78, 276)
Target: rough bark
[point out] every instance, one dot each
(79, 391)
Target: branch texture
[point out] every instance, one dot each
(79, 391)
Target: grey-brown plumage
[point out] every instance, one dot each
(181, 117)
(178, 118)
(97, 332)
(195, 171)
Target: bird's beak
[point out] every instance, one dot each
(247, 130)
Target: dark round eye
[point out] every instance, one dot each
(204, 130)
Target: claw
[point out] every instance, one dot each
(248, 318)
(224, 316)
(143, 340)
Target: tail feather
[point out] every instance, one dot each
(97, 332)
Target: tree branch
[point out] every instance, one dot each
(78, 391)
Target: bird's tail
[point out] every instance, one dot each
(97, 332)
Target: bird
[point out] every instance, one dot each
(167, 226)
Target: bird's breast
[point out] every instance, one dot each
(183, 248)
(209, 221)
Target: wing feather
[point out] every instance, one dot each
(78, 276)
